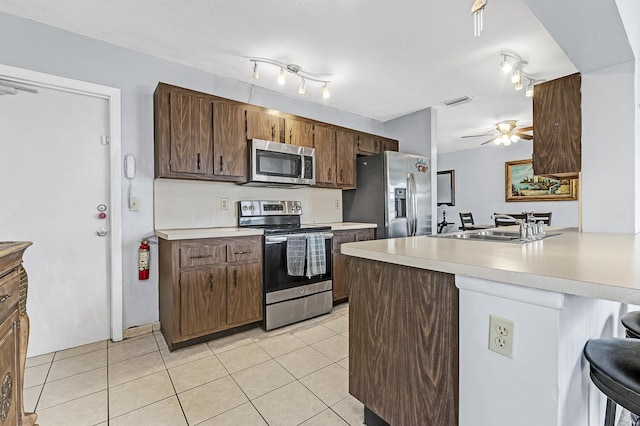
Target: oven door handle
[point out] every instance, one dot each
(276, 239)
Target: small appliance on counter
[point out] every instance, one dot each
(393, 191)
(297, 261)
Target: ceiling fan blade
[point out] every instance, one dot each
(477, 136)
(489, 141)
(525, 129)
(523, 136)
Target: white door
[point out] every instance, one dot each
(54, 173)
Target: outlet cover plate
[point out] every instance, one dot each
(501, 335)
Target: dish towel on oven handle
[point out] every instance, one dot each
(316, 255)
(296, 252)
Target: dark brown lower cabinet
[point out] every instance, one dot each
(207, 286)
(403, 342)
(339, 273)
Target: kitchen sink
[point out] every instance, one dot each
(491, 235)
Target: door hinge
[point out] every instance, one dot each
(105, 140)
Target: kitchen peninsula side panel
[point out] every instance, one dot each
(403, 342)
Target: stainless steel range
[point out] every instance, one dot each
(297, 261)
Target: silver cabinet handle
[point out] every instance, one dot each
(283, 238)
(4, 297)
(202, 256)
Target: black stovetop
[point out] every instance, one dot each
(290, 229)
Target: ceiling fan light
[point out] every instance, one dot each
(281, 76)
(256, 73)
(514, 138)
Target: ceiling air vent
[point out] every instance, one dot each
(458, 101)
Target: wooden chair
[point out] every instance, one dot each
(500, 221)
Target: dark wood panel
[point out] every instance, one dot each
(168, 261)
(403, 342)
(340, 276)
(325, 143)
(364, 234)
(198, 254)
(191, 134)
(557, 121)
(261, 125)
(346, 159)
(298, 132)
(368, 144)
(9, 366)
(243, 250)
(244, 293)
(229, 143)
(203, 295)
(389, 145)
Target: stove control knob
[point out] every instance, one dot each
(251, 207)
(244, 208)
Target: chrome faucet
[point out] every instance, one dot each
(530, 228)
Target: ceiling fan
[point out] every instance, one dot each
(507, 133)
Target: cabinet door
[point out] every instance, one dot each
(298, 133)
(368, 144)
(191, 133)
(340, 276)
(263, 126)
(203, 300)
(364, 235)
(346, 159)
(10, 382)
(389, 145)
(325, 144)
(229, 143)
(244, 293)
(557, 127)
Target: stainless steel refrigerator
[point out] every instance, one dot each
(393, 191)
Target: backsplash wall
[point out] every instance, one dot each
(196, 204)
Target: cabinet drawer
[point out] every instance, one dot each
(364, 235)
(242, 251)
(9, 292)
(202, 254)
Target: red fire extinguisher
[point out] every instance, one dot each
(143, 261)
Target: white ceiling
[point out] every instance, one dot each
(387, 58)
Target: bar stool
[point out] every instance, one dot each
(631, 322)
(615, 370)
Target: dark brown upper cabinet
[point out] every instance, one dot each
(298, 132)
(263, 125)
(557, 127)
(324, 138)
(198, 136)
(346, 158)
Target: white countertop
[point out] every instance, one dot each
(236, 231)
(603, 266)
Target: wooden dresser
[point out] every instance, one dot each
(14, 334)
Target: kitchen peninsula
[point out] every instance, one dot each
(419, 326)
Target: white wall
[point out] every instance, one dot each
(192, 204)
(42, 48)
(629, 12)
(608, 151)
(479, 175)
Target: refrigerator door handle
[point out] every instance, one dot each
(412, 211)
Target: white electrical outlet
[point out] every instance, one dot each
(337, 204)
(501, 335)
(134, 204)
(224, 203)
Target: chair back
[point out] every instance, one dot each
(466, 219)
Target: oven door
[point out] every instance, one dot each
(275, 265)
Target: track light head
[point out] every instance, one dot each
(281, 76)
(325, 91)
(529, 92)
(505, 65)
(303, 87)
(256, 73)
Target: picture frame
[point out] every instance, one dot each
(522, 185)
(446, 186)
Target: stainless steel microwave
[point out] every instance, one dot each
(279, 164)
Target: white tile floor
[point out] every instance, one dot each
(296, 375)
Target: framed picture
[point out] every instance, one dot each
(446, 186)
(521, 184)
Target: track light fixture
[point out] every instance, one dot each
(512, 63)
(296, 70)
